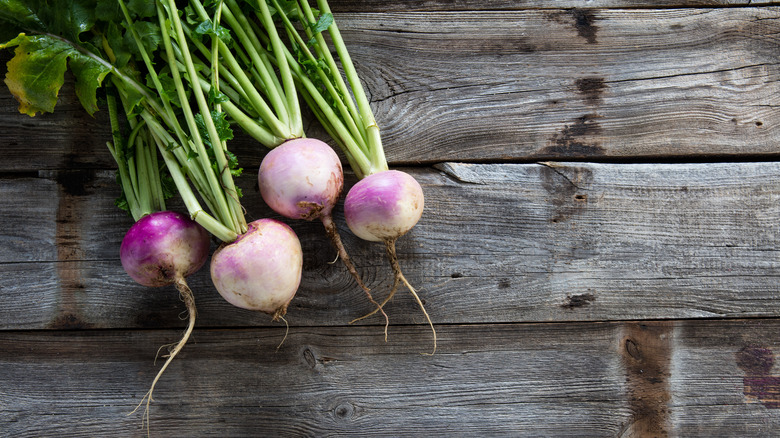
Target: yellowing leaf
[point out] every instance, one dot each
(37, 71)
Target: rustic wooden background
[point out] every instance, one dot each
(600, 251)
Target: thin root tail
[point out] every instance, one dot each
(335, 239)
(189, 300)
(399, 276)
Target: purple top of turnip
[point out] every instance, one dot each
(163, 245)
(384, 206)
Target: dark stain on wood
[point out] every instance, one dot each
(73, 183)
(68, 321)
(580, 300)
(577, 140)
(647, 352)
(73, 188)
(592, 88)
(583, 21)
(758, 383)
(315, 361)
(504, 283)
(564, 184)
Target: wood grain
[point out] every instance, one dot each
(503, 5)
(573, 379)
(535, 242)
(520, 85)
(546, 85)
(600, 251)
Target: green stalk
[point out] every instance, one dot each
(196, 212)
(239, 27)
(143, 175)
(222, 210)
(157, 195)
(284, 69)
(377, 154)
(115, 150)
(348, 112)
(322, 50)
(232, 208)
(277, 124)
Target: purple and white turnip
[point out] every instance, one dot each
(160, 249)
(261, 269)
(302, 179)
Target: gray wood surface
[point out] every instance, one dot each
(521, 85)
(685, 378)
(600, 249)
(491, 5)
(535, 242)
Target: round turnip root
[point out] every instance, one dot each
(302, 179)
(163, 247)
(261, 269)
(381, 208)
(384, 206)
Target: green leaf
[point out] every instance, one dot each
(215, 97)
(220, 122)
(289, 8)
(142, 8)
(169, 86)
(89, 75)
(108, 11)
(207, 28)
(192, 154)
(150, 35)
(233, 164)
(67, 18)
(323, 23)
(118, 43)
(222, 125)
(121, 202)
(168, 185)
(37, 71)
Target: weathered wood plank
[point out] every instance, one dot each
(546, 84)
(521, 85)
(498, 243)
(685, 378)
(504, 5)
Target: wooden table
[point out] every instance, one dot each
(600, 250)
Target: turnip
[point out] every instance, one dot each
(164, 248)
(302, 179)
(385, 204)
(161, 249)
(266, 287)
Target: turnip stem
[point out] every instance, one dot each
(284, 69)
(377, 155)
(335, 76)
(215, 227)
(228, 207)
(117, 151)
(258, 65)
